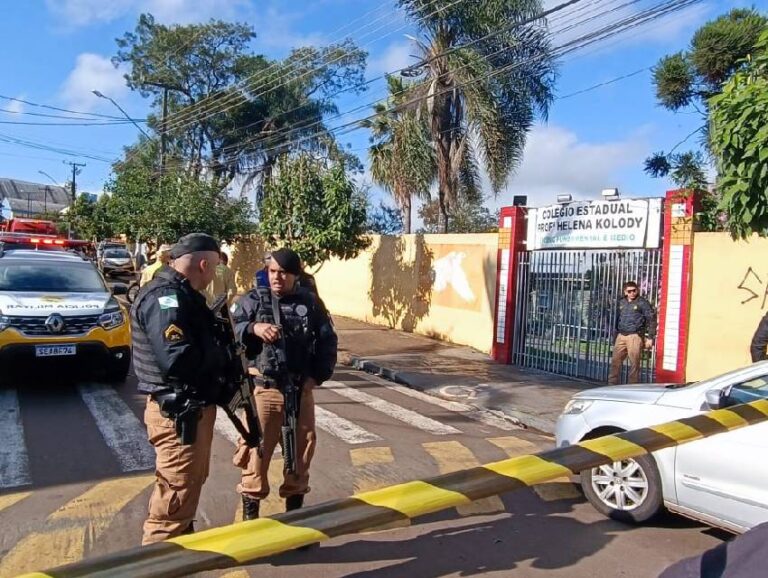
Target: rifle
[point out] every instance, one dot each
(290, 386)
(238, 386)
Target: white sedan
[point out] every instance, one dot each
(721, 480)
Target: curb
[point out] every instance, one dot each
(523, 419)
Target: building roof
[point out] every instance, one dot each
(29, 199)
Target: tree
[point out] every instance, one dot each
(740, 144)
(481, 91)
(688, 79)
(230, 109)
(466, 216)
(314, 208)
(91, 219)
(385, 220)
(402, 158)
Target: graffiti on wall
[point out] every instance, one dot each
(753, 287)
(458, 277)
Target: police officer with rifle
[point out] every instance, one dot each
(290, 339)
(186, 361)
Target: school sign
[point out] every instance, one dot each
(622, 223)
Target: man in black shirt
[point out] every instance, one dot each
(178, 363)
(635, 330)
(289, 337)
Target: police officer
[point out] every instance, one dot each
(635, 330)
(177, 362)
(757, 348)
(305, 335)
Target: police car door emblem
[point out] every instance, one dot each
(301, 310)
(55, 323)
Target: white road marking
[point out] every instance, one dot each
(342, 428)
(473, 413)
(14, 463)
(225, 427)
(402, 414)
(121, 429)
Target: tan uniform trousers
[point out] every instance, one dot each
(626, 346)
(254, 481)
(180, 472)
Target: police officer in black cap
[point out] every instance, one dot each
(288, 336)
(178, 364)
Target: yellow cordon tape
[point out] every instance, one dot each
(247, 541)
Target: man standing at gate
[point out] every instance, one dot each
(635, 330)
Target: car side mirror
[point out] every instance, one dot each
(119, 289)
(715, 398)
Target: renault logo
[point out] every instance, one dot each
(55, 323)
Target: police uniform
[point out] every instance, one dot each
(759, 343)
(635, 321)
(176, 357)
(310, 352)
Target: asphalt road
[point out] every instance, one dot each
(76, 472)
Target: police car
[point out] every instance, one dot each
(56, 310)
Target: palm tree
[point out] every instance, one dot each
(402, 158)
(482, 82)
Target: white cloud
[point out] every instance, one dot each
(78, 13)
(92, 72)
(15, 107)
(557, 162)
(279, 34)
(395, 57)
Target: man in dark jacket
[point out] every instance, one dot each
(301, 346)
(757, 348)
(178, 361)
(635, 330)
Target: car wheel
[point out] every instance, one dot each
(628, 490)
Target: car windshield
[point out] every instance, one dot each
(50, 277)
(117, 254)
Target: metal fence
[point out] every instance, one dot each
(566, 308)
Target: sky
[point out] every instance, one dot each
(58, 51)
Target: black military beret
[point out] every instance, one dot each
(288, 260)
(193, 243)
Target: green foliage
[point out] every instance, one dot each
(315, 209)
(91, 220)
(385, 220)
(479, 115)
(739, 135)
(401, 155)
(716, 51)
(466, 216)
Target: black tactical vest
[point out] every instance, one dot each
(296, 311)
(145, 364)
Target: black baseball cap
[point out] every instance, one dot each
(193, 243)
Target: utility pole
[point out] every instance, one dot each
(162, 131)
(75, 171)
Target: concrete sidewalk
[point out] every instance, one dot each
(532, 398)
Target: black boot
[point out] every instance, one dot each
(294, 502)
(250, 508)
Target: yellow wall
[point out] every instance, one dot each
(437, 285)
(729, 297)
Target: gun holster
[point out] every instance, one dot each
(183, 410)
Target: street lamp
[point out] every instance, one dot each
(125, 114)
(47, 188)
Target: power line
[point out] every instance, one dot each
(84, 123)
(606, 83)
(239, 96)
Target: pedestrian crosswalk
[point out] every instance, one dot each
(371, 434)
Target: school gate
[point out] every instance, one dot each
(560, 274)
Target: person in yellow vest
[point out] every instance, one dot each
(162, 257)
(223, 282)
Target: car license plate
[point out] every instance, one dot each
(55, 350)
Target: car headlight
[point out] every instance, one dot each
(5, 322)
(112, 320)
(577, 406)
